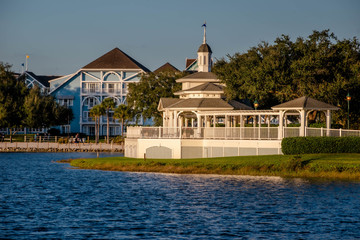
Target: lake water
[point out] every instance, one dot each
(47, 200)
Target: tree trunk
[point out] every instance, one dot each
(107, 127)
(122, 127)
(98, 136)
(96, 130)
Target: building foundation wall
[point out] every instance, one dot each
(195, 148)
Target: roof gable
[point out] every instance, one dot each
(207, 87)
(42, 79)
(167, 67)
(200, 103)
(115, 59)
(306, 103)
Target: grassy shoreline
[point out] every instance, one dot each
(323, 166)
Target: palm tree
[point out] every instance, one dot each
(96, 112)
(123, 113)
(107, 104)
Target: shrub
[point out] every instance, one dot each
(54, 132)
(305, 145)
(118, 139)
(317, 125)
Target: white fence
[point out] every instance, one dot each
(259, 133)
(203, 133)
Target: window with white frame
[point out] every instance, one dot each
(66, 102)
(86, 117)
(112, 87)
(65, 128)
(91, 130)
(93, 87)
(90, 102)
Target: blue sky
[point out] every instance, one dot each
(62, 36)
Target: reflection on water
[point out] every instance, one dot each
(41, 199)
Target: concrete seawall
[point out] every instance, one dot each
(57, 147)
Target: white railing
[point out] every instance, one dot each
(256, 133)
(112, 91)
(88, 119)
(203, 133)
(291, 132)
(90, 90)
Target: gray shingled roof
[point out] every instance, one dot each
(239, 106)
(167, 67)
(204, 48)
(306, 103)
(43, 79)
(166, 102)
(200, 76)
(201, 103)
(115, 59)
(207, 87)
(189, 61)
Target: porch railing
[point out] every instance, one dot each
(262, 133)
(203, 133)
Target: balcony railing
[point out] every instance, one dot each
(90, 90)
(88, 120)
(104, 90)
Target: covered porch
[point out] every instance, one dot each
(243, 124)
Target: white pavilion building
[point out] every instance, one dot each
(201, 123)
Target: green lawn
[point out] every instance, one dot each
(329, 166)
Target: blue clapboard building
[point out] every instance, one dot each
(106, 77)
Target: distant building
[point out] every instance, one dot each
(106, 77)
(31, 80)
(191, 65)
(167, 67)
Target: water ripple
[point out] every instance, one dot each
(41, 200)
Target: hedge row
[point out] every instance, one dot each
(302, 145)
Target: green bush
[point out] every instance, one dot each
(118, 139)
(304, 145)
(317, 125)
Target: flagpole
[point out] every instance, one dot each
(26, 66)
(204, 25)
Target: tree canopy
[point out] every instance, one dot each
(23, 107)
(108, 104)
(144, 96)
(124, 113)
(12, 95)
(320, 66)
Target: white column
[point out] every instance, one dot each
(242, 121)
(302, 122)
(186, 122)
(259, 126)
(175, 119)
(171, 119)
(164, 119)
(227, 121)
(208, 124)
(328, 122)
(281, 125)
(198, 125)
(181, 121)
